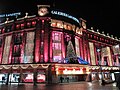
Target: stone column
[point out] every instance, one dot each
(49, 74)
(8, 78)
(35, 77)
(54, 75)
(21, 76)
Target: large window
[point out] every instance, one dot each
(6, 49)
(18, 38)
(16, 60)
(7, 29)
(29, 47)
(77, 47)
(17, 49)
(57, 52)
(29, 77)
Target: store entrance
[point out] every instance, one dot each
(14, 77)
(3, 78)
(72, 78)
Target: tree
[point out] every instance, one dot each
(71, 55)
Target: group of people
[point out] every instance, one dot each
(62, 78)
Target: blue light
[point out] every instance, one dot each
(10, 14)
(65, 15)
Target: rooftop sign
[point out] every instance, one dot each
(10, 14)
(65, 15)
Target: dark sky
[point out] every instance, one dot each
(100, 14)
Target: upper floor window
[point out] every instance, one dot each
(7, 29)
(33, 23)
(16, 60)
(56, 46)
(16, 50)
(18, 38)
(28, 24)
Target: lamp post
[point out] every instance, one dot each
(100, 67)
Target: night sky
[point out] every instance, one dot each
(100, 14)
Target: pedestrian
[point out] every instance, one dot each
(118, 82)
(3, 80)
(67, 79)
(61, 79)
(18, 80)
(103, 82)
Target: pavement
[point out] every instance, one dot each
(60, 86)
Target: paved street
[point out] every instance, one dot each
(65, 86)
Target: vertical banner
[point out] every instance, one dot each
(106, 53)
(116, 49)
(6, 49)
(77, 47)
(92, 53)
(29, 48)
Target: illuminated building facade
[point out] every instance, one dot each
(45, 47)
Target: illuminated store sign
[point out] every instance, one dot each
(65, 15)
(10, 14)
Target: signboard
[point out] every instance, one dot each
(65, 15)
(10, 14)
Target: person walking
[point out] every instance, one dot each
(67, 78)
(118, 82)
(61, 79)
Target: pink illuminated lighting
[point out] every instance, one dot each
(57, 47)
(40, 78)
(37, 51)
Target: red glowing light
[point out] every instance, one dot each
(61, 68)
(42, 21)
(22, 25)
(77, 68)
(33, 23)
(69, 68)
(84, 69)
(18, 26)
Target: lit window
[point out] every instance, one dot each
(65, 26)
(28, 24)
(57, 52)
(53, 24)
(59, 25)
(18, 26)
(22, 26)
(69, 27)
(33, 23)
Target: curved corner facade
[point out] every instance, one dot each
(50, 48)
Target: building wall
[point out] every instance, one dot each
(92, 53)
(42, 40)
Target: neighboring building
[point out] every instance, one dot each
(54, 46)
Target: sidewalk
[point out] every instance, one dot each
(82, 85)
(73, 82)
